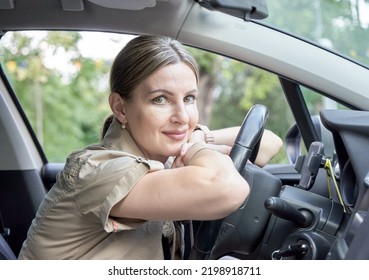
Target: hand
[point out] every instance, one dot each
(178, 162)
(197, 136)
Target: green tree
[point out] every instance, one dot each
(65, 109)
(242, 86)
(335, 23)
(209, 68)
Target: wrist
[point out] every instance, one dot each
(208, 134)
(197, 136)
(192, 151)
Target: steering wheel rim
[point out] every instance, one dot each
(247, 140)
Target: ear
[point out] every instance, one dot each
(116, 103)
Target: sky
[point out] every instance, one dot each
(102, 45)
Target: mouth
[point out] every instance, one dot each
(176, 135)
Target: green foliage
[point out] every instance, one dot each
(207, 62)
(336, 24)
(66, 110)
(243, 86)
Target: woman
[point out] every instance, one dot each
(111, 199)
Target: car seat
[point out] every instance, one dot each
(6, 252)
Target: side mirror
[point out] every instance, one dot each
(294, 141)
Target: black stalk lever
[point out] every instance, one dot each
(282, 209)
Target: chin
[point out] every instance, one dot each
(173, 152)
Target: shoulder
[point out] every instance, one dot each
(96, 163)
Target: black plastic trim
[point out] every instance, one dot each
(300, 111)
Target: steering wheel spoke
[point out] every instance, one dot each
(247, 140)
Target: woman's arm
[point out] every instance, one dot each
(269, 146)
(207, 187)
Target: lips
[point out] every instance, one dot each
(176, 135)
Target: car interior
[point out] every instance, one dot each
(312, 208)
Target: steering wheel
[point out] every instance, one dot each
(244, 149)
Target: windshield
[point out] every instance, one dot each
(339, 25)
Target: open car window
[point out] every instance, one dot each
(61, 82)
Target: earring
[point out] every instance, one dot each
(123, 125)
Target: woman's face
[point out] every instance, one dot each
(162, 113)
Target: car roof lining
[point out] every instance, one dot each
(29, 15)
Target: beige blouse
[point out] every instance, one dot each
(73, 220)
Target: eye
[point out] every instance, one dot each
(160, 100)
(190, 99)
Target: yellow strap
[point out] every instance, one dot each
(328, 167)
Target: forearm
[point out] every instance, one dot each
(217, 166)
(224, 136)
(269, 146)
(202, 155)
(204, 186)
(219, 176)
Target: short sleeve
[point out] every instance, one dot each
(106, 179)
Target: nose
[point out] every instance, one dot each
(180, 114)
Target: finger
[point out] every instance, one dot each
(178, 162)
(184, 148)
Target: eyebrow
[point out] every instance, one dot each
(168, 92)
